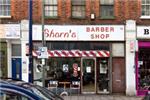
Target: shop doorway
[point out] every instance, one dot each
(103, 77)
(16, 68)
(88, 77)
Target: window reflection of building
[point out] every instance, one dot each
(144, 69)
(61, 69)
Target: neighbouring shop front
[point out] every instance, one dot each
(3, 59)
(91, 56)
(143, 60)
(9, 51)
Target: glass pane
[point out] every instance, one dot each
(103, 75)
(16, 49)
(78, 2)
(144, 68)
(55, 8)
(107, 2)
(55, 2)
(55, 13)
(147, 1)
(88, 67)
(107, 11)
(78, 11)
(143, 2)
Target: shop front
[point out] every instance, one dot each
(143, 61)
(86, 55)
(9, 41)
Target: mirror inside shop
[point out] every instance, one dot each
(144, 69)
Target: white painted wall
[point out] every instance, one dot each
(9, 58)
(24, 41)
(130, 58)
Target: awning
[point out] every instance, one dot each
(75, 53)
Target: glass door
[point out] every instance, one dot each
(102, 75)
(88, 75)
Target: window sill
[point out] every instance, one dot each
(5, 16)
(145, 17)
(49, 17)
(107, 17)
(77, 17)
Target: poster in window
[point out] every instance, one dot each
(75, 69)
(65, 68)
(88, 69)
(103, 68)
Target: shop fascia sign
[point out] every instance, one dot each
(79, 32)
(143, 32)
(11, 31)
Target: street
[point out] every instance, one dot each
(101, 97)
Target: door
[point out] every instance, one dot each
(88, 75)
(118, 75)
(16, 68)
(103, 79)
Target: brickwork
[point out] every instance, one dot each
(123, 10)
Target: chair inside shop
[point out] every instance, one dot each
(75, 85)
(53, 85)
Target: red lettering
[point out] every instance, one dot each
(87, 29)
(102, 36)
(92, 29)
(54, 34)
(46, 31)
(111, 29)
(107, 36)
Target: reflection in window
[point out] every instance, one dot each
(78, 8)
(77, 46)
(12, 96)
(62, 69)
(144, 68)
(145, 8)
(50, 8)
(5, 8)
(106, 8)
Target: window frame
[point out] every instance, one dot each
(145, 4)
(105, 16)
(51, 11)
(7, 11)
(79, 5)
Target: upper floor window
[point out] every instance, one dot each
(145, 9)
(78, 8)
(5, 8)
(107, 8)
(50, 8)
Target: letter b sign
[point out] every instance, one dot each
(146, 31)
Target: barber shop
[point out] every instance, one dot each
(88, 58)
(143, 60)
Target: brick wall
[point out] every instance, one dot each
(124, 10)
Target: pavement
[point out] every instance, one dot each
(101, 97)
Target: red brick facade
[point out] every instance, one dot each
(123, 10)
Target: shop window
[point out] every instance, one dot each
(77, 46)
(51, 8)
(78, 8)
(3, 60)
(62, 69)
(145, 9)
(5, 10)
(144, 69)
(107, 9)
